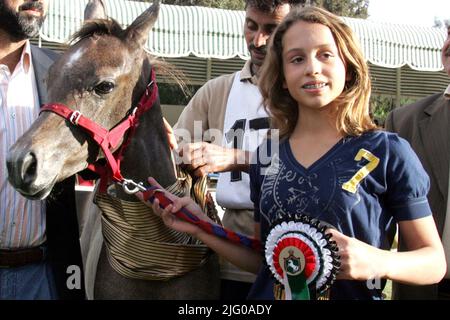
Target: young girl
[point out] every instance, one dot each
(333, 165)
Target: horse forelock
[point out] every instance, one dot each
(98, 27)
(111, 27)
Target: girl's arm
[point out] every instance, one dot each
(239, 255)
(423, 263)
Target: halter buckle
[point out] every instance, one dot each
(136, 187)
(75, 117)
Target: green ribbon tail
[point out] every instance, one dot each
(298, 286)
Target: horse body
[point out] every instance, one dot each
(102, 76)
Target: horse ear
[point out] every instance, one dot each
(138, 31)
(95, 9)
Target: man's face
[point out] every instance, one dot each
(446, 53)
(22, 19)
(258, 27)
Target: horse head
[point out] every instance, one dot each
(102, 75)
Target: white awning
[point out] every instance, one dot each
(181, 31)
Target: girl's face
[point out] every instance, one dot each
(314, 72)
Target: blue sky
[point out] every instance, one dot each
(418, 12)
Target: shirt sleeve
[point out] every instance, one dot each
(195, 113)
(255, 184)
(202, 119)
(407, 182)
(259, 163)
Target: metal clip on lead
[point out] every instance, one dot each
(131, 187)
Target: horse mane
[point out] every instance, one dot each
(98, 27)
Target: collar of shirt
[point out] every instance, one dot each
(24, 63)
(246, 73)
(447, 93)
(25, 59)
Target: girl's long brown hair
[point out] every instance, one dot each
(353, 117)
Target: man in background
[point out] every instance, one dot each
(426, 125)
(39, 246)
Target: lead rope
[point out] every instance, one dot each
(153, 193)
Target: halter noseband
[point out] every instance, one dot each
(109, 140)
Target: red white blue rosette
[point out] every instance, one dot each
(301, 256)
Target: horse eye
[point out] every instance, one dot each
(104, 87)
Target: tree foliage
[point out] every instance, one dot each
(381, 106)
(222, 4)
(346, 8)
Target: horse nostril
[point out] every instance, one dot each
(29, 167)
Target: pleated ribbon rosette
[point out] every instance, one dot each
(301, 257)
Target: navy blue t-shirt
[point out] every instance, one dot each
(362, 186)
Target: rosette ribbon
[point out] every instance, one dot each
(301, 256)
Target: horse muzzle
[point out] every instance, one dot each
(22, 168)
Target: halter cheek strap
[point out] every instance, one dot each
(109, 140)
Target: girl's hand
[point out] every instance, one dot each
(359, 261)
(167, 215)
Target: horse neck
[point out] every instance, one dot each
(148, 152)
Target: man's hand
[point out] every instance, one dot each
(203, 158)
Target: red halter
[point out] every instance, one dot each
(109, 140)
